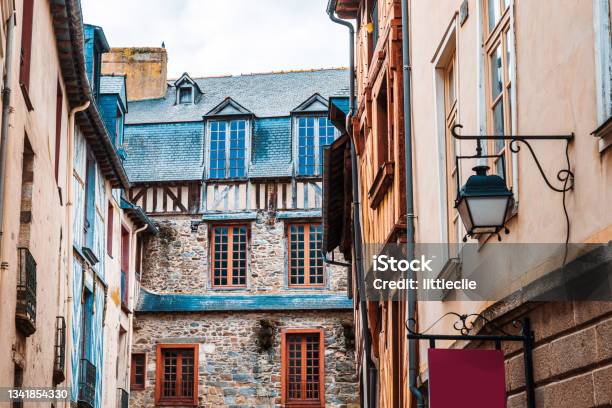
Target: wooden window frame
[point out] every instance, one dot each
(227, 137)
(159, 375)
(305, 285)
(285, 402)
(450, 119)
(230, 270)
(133, 384)
(318, 148)
(494, 38)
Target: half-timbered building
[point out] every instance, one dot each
(237, 305)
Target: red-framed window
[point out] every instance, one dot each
(229, 255)
(303, 368)
(138, 371)
(306, 267)
(176, 380)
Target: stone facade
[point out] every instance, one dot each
(176, 260)
(233, 371)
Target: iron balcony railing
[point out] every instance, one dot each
(123, 398)
(87, 384)
(59, 362)
(25, 316)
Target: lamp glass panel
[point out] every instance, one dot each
(488, 211)
(465, 214)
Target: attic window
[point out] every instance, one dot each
(185, 94)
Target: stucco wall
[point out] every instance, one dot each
(145, 68)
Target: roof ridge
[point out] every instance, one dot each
(290, 71)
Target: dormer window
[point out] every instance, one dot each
(228, 148)
(185, 94)
(313, 132)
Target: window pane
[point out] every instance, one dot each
(326, 137)
(217, 149)
(312, 366)
(187, 372)
(237, 148)
(498, 118)
(170, 374)
(220, 256)
(496, 72)
(494, 13)
(508, 57)
(184, 95)
(294, 367)
(306, 146)
(314, 249)
(296, 247)
(239, 255)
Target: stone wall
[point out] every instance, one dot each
(572, 357)
(233, 371)
(176, 261)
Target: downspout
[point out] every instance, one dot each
(69, 202)
(410, 239)
(6, 111)
(369, 385)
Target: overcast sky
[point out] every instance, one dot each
(212, 37)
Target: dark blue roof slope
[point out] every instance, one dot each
(152, 302)
(271, 156)
(266, 95)
(164, 152)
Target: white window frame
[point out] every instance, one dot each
(247, 148)
(296, 142)
(603, 66)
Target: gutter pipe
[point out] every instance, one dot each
(410, 236)
(6, 111)
(370, 380)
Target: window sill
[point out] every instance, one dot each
(380, 185)
(604, 134)
(180, 403)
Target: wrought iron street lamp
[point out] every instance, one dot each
(485, 203)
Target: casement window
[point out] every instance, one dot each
(58, 128)
(90, 195)
(382, 125)
(138, 371)
(185, 94)
(303, 371)
(602, 12)
(450, 118)
(313, 132)
(109, 230)
(229, 256)
(306, 267)
(498, 46)
(138, 260)
(26, 44)
(176, 381)
(228, 148)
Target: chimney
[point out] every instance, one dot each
(145, 70)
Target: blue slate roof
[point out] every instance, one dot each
(271, 155)
(266, 95)
(164, 152)
(152, 302)
(114, 85)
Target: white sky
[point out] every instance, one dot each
(220, 37)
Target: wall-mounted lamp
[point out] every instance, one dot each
(485, 202)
